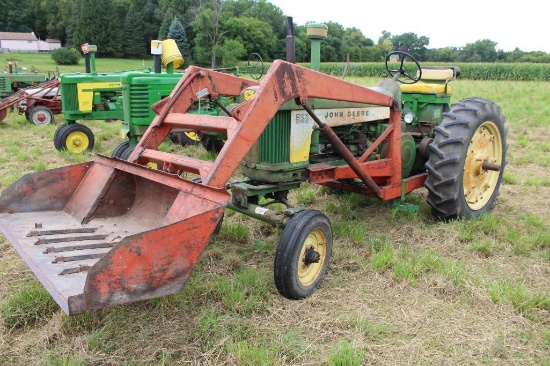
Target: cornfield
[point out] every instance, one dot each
(470, 71)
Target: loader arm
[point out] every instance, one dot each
(284, 82)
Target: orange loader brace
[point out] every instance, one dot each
(109, 232)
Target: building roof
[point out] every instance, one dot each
(52, 40)
(13, 36)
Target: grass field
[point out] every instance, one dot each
(401, 289)
(43, 63)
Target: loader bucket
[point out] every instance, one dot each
(109, 232)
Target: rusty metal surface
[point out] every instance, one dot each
(62, 278)
(125, 233)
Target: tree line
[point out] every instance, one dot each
(220, 32)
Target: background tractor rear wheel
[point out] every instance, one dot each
(467, 160)
(120, 149)
(40, 116)
(125, 155)
(211, 143)
(185, 138)
(303, 254)
(3, 114)
(77, 138)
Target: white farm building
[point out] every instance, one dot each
(26, 42)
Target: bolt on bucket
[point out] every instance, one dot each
(109, 232)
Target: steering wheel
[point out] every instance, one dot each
(255, 66)
(404, 73)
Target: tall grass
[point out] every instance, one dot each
(42, 63)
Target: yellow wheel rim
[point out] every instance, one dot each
(315, 241)
(485, 149)
(77, 142)
(193, 136)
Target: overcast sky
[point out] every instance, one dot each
(522, 24)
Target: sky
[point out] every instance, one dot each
(513, 24)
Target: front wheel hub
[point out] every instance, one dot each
(311, 256)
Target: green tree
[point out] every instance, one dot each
(208, 29)
(165, 25)
(231, 52)
(149, 19)
(134, 35)
(384, 37)
(266, 12)
(375, 53)
(479, 51)
(446, 54)
(254, 34)
(178, 34)
(353, 43)
(331, 47)
(95, 26)
(411, 43)
(55, 18)
(16, 16)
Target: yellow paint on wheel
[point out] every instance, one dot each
(309, 273)
(485, 147)
(193, 136)
(77, 142)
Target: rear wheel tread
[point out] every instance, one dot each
(454, 191)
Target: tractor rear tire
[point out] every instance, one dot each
(77, 138)
(120, 149)
(467, 160)
(303, 254)
(184, 138)
(3, 114)
(211, 143)
(40, 116)
(125, 155)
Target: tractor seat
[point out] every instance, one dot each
(434, 80)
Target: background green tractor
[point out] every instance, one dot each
(127, 96)
(89, 96)
(141, 90)
(14, 80)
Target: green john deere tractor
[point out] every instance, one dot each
(127, 97)
(14, 80)
(141, 90)
(85, 97)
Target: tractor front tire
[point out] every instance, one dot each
(40, 116)
(76, 138)
(467, 160)
(57, 136)
(303, 254)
